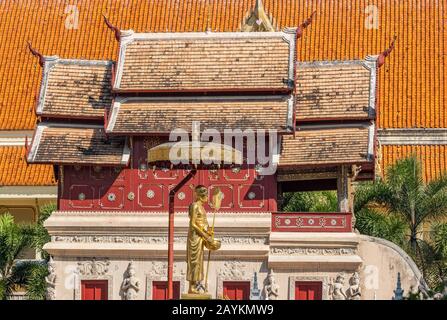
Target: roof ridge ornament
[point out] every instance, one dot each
(113, 28)
(257, 20)
(386, 53)
(305, 24)
(36, 53)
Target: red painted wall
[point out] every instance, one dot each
(160, 290)
(236, 290)
(140, 188)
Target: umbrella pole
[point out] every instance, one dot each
(172, 193)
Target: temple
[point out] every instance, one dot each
(99, 118)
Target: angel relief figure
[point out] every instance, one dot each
(353, 292)
(271, 289)
(336, 288)
(131, 284)
(50, 281)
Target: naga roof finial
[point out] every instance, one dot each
(36, 53)
(304, 25)
(386, 53)
(113, 28)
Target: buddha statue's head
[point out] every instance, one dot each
(201, 193)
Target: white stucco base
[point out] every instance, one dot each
(100, 246)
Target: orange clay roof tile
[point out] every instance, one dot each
(411, 90)
(433, 158)
(14, 171)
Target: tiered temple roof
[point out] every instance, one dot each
(334, 90)
(75, 88)
(411, 93)
(76, 144)
(314, 146)
(130, 116)
(231, 81)
(225, 61)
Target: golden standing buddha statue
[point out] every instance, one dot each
(200, 235)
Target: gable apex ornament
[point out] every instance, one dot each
(257, 20)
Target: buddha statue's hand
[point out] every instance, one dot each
(212, 244)
(210, 231)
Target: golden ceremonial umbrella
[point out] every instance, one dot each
(203, 153)
(200, 155)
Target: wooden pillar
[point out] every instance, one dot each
(279, 197)
(343, 195)
(346, 190)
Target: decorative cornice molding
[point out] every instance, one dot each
(28, 192)
(118, 238)
(287, 251)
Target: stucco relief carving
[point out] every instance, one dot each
(115, 239)
(337, 287)
(160, 269)
(151, 239)
(50, 281)
(244, 240)
(93, 267)
(233, 271)
(313, 251)
(354, 292)
(271, 288)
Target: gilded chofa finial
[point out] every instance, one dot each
(257, 19)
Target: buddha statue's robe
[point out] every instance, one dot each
(196, 242)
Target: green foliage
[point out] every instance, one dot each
(397, 207)
(4, 288)
(41, 235)
(321, 201)
(413, 296)
(14, 238)
(439, 238)
(35, 283)
(377, 224)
